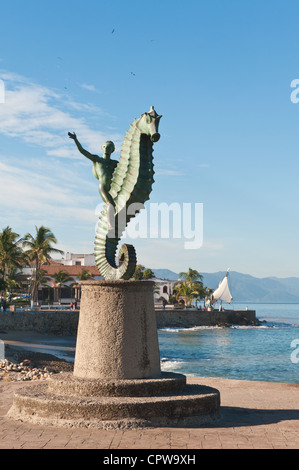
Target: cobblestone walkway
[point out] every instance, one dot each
(254, 415)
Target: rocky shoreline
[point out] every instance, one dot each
(21, 365)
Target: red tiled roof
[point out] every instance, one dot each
(70, 270)
(53, 262)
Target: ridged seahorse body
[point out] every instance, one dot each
(131, 183)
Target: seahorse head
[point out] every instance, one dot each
(149, 123)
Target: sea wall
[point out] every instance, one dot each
(191, 318)
(65, 323)
(62, 323)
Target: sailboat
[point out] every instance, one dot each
(222, 293)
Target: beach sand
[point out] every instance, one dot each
(254, 415)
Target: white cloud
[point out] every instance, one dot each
(166, 172)
(38, 115)
(88, 87)
(31, 198)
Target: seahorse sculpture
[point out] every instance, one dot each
(123, 185)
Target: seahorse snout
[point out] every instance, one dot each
(155, 137)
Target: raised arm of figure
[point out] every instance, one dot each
(93, 158)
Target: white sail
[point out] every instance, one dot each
(222, 292)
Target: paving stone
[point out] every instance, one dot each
(256, 415)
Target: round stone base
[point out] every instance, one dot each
(68, 384)
(46, 405)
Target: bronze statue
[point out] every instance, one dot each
(122, 184)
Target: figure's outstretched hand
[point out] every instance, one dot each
(72, 136)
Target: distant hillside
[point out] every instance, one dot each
(246, 288)
(166, 274)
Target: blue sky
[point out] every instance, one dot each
(218, 71)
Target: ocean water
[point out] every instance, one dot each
(269, 352)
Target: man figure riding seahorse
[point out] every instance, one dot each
(103, 167)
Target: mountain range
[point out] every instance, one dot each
(247, 288)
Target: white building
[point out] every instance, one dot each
(164, 288)
(73, 259)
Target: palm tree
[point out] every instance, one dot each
(183, 290)
(3, 284)
(61, 279)
(191, 276)
(39, 250)
(42, 279)
(12, 281)
(190, 286)
(142, 273)
(84, 275)
(11, 254)
(137, 276)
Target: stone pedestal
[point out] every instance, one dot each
(117, 381)
(117, 332)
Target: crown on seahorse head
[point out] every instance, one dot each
(153, 113)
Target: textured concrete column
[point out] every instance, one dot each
(117, 333)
